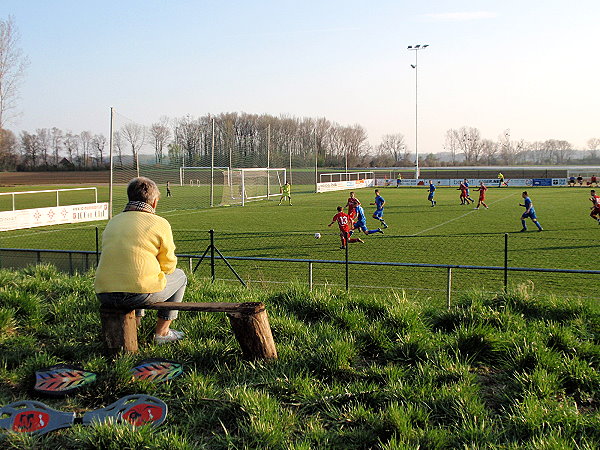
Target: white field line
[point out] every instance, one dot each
(459, 217)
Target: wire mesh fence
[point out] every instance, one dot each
(432, 266)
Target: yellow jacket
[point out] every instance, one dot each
(137, 251)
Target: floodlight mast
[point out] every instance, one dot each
(416, 49)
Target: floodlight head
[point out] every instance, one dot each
(417, 46)
(409, 47)
(413, 66)
(426, 45)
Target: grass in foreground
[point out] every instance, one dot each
(495, 371)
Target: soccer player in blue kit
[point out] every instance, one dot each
(529, 212)
(361, 221)
(431, 193)
(378, 214)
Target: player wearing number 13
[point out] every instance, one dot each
(344, 222)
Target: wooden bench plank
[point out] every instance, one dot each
(243, 308)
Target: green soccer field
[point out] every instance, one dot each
(447, 234)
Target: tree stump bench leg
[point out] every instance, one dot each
(253, 332)
(119, 330)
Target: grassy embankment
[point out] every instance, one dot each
(495, 371)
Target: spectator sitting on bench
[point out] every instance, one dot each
(580, 180)
(593, 181)
(571, 180)
(138, 264)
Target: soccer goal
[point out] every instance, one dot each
(246, 185)
(198, 176)
(589, 176)
(338, 181)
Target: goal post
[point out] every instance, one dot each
(198, 175)
(252, 184)
(338, 181)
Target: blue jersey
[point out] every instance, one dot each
(360, 215)
(379, 202)
(529, 206)
(431, 188)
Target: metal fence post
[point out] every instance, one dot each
(347, 268)
(449, 291)
(505, 262)
(97, 248)
(310, 275)
(212, 255)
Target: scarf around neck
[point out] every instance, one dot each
(139, 206)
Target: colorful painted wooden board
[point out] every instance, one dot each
(61, 380)
(157, 370)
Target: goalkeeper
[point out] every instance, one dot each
(286, 191)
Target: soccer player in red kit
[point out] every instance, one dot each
(482, 188)
(463, 194)
(353, 202)
(595, 199)
(344, 221)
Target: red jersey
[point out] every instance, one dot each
(343, 220)
(596, 201)
(482, 190)
(353, 202)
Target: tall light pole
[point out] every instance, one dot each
(416, 49)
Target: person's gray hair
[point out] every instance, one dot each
(142, 189)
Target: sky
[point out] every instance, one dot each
(528, 66)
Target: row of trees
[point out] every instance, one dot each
(250, 140)
(466, 145)
(52, 149)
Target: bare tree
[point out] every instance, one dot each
(593, 145)
(160, 133)
(30, 148)
(71, 142)
(85, 139)
(452, 144)
(56, 137)
(118, 145)
(12, 70)
(394, 145)
(8, 150)
(135, 135)
(507, 148)
(489, 150)
(470, 142)
(44, 144)
(99, 142)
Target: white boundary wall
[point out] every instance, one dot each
(55, 215)
(473, 182)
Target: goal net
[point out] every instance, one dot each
(584, 176)
(253, 184)
(339, 181)
(202, 176)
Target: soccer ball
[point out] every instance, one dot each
(317, 235)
